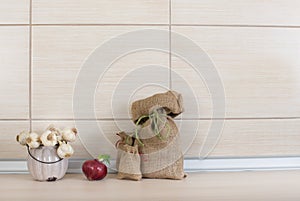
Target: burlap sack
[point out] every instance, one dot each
(171, 101)
(161, 157)
(120, 143)
(128, 159)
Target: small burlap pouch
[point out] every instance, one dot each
(160, 151)
(128, 159)
(171, 101)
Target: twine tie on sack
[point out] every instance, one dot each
(155, 118)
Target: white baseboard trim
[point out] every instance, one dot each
(243, 164)
(190, 165)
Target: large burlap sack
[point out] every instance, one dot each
(171, 101)
(161, 155)
(128, 160)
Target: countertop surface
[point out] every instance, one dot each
(248, 185)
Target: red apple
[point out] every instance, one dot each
(95, 169)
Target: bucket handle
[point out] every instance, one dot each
(44, 162)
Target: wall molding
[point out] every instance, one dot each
(190, 165)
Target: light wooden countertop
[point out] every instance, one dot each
(241, 186)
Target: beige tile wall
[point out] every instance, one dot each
(14, 76)
(55, 67)
(15, 11)
(259, 68)
(236, 12)
(254, 45)
(100, 12)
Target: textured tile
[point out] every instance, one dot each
(239, 138)
(134, 77)
(14, 11)
(236, 12)
(10, 148)
(258, 69)
(58, 56)
(100, 12)
(14, 77)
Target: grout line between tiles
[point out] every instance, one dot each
(78, 119)
(30, 65)
(236, 25)
(244, 118)
(14, 119)
(177, 119)
(13, 25)
(100, 24)
(170, 46)
(170, 24)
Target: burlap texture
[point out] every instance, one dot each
(171, 101)
(158, 142)
(161, 158)
(128, 164)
